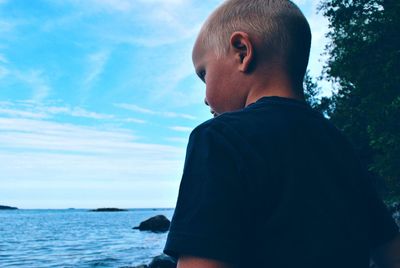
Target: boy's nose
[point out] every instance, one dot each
(205, 101)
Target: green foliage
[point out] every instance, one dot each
(311, 90)
(312, 95)
(364, 61)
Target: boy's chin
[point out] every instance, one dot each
(214, 114)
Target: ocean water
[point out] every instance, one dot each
(77, 238)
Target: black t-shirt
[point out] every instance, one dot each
(276, 185)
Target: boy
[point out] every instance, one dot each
(269, 182)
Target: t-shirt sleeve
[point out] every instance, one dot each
(206, 222)
(380, 224)
(382, 227)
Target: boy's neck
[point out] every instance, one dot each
(253, 98)
(277, 86)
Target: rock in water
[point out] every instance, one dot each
(108, 210)
(7, 207)
(158, 223)
(162, 261)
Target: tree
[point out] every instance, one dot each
(311, 90)
(312, 94)
(364, 60)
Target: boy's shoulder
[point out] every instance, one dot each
(225, 122)
(271, 114)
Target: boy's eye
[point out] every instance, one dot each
(202, 75)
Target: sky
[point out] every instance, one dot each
(98, 98)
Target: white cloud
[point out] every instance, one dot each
(3, 72)
(62, 21)
(181, 129)
(171, 84)
(30, 134)
(177, 139)
(117, 5)
(6, 26)
(96, 64)
(33, 110)
(135, 108)
(167, 20)
(68, 158)
(133, 120)
(103, 5)
(77, 112)
(179, 115)
(37, 81)
(128, 5)
(21, 113)
(5, 103)
(165, 2)
(3, 59)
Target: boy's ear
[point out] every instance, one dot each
(242, 49)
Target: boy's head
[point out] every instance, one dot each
(247, 46)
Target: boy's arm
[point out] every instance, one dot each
(388, 255)
(195, 262)
(206, 223)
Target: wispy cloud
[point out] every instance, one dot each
(76, 112)
(32, 134)
(117, 5)
(167, 20)
(179, 115)
(34, 110)
(135, 108)
(73, 158)
(177, 139)
(181, 129)
(37, 81)
(3, 72)
(3, 59)
(47, 135)
(20, 113)
(134, 120)
(6, 26)
(96, 64)
(172, 83)
(104, 5)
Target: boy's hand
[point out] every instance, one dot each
(196, 262)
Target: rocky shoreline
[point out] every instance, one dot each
(156, 224)
(7, 208)
(107, 210)
(161, 261)
(160, 223)
(164, 261)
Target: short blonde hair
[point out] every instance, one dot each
(280, 24)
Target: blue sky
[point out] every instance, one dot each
(98, 98)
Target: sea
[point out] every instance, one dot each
(78, 238)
